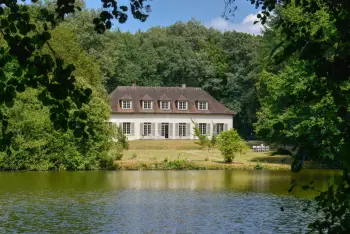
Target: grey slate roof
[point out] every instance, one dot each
(174, 94)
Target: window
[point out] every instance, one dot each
(202, 128)
(164, 130)
(147, 129)
(219, 128)
(147, 105)
(202, 105)
(182, 105)
(126, 128)
(182, 129)
(165, 105)
(126, 104)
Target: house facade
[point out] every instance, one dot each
(167, 112)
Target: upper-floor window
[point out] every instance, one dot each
(147, 105)
(182, 105)
(165, 105)
(126, 104)
(202, 105)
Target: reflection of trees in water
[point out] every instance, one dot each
(256, 181)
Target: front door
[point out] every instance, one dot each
(165, 130)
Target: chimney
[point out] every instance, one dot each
(183, 85)
(134, 84)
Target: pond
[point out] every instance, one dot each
(156, 201)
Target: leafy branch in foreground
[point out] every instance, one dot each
(305, 93)
(24, 36)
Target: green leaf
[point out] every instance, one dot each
(78, 132)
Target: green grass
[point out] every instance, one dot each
(164, 145)
(187, 154)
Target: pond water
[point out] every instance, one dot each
(156, 201)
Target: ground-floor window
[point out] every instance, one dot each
(219, 128)
(126, 128)
(202, 128)
(147, 129)
(182, 129)
(165, 129)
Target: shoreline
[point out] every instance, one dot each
(136, 165)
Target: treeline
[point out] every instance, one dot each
(224, 64)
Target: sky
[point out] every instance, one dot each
(168, 12)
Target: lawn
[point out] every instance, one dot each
(150, 151)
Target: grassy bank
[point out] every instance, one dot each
(187, 155)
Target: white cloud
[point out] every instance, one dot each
(247, 25)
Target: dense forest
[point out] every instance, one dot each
(224, 64)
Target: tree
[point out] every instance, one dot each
(25, 33)
(230, 143)
(311, 92)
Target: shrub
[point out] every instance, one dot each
(106, 162)
(122, 139)
(259, 166)
(117, 151)
(206, 159)
(204, 141)
(134, 156)
(166, 159)
(230, 143)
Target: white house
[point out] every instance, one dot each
(167, 112)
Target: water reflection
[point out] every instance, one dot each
(276, 182)
(154, 201)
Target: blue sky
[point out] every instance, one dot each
(167, 12)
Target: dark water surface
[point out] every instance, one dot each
(156, 201)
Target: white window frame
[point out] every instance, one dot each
(126, 104)
(183, 105)
(182, 129)
(202, 105)
(147, 129)
(163, 102)
(203, 128)
(126, 127)
(147, 105)
(219, 128)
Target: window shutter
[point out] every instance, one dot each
(188, 129)
(208, 129)
(153, 129)
(132, 129)
(141, 129)
(225, 127)
(159, 129)
(170, 130)
(176, 130)
(214, 129)
(121, 125)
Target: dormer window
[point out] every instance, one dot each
(126, 104)
(202, 105)
(147, 105)
(165, 105)
(181, 105)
